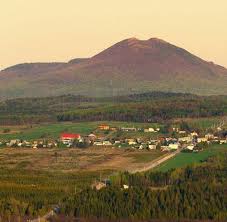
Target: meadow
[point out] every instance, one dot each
(184, 159)
(32, 132)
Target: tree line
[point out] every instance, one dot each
(146, 107)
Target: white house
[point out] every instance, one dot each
(131, 141)
(107, 143)
(152, 147)
(194, 134)
(223, 141)
(190, 147)
(173, 146)
(125, 186)
(186, 139)
(150, 130)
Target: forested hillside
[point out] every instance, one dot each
(147, 107)
(196, 192)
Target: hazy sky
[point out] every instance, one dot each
(59, 30)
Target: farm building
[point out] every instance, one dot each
(67, 138)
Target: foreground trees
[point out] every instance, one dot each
(198, 192)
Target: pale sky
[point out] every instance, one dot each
(59, 30)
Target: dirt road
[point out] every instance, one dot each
(156, 162)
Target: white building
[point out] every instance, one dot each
(107, 143)
(152, 147)
(190, 147)
(186, 139)
(174, 146)
(194, 134)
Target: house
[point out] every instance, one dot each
(67, 138)
(107, 143)
(182, 132)
(128, 129)
(190, 147)
(173, 146)
(104, 127)
(125, 186)
(117, 142)
(202, 139)
(92, 136)
(13, 143)
(131, 141)
(186, 139)
(194, 134)
(141, 147)
(113, 128)
(209, 136)
(150, 130)
(223, 141)
(152, 147)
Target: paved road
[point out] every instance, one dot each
(156, 162)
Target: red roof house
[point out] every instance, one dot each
(70, 136)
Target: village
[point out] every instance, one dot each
(126, 137)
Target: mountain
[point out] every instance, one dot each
(130, 66)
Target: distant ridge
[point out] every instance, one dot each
(129, 66)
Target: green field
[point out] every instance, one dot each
(54, 130)
(145, 157)
(184, 159)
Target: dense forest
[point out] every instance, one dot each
(147, 107)
(29, 194)
(195, 192)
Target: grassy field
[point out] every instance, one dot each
(184, 159)
(54, 130)
(75, 160)
(28, 132)
(144, 157)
